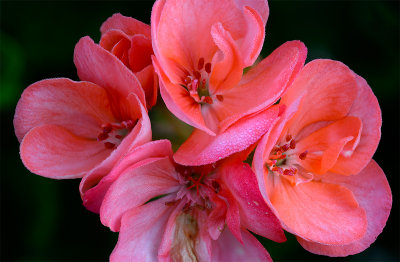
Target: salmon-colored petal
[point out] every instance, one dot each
(111, 38)
(128, 25)
(319, 212)
(228, 248)
(140, 53)
(93, 186)
(327, 144)
(228, 67)
(134, 187)
(201, 148)
(179, 102)
(252, 43)
(330, 88)
(183, 29)
(261, 6)
(80, 107)
(97, 65)
(262, 85)
(372, 191)
(255, 215)
(366, 108)
(141, 228)
(148, 79)
(53, 151)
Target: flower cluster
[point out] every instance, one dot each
(313, 130)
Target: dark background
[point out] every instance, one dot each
(44, 220)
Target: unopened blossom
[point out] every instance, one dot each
(130, 41)
(314, 165)
(201, 49)
(168, 212)
(70, 129)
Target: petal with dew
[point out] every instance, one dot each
(201, 148)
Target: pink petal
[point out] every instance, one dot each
(317, 211)
(128, 25)
(227, 65)
(141, 228)
(372, 191)
(330, 88)
(261, 6)
(80, 107)
(179, 102)
(93, 186)
(255, 215)
(366, 108)
(140, 53)
(201, 148)
(53, 151)
(228, 248)
(263, 85)
(134, 187)
(148, 79)
(97, 65)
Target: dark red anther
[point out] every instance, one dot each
(186, 208)
(288, 138)
(303, 155)
(102, 136)
(285, 147)
(208, 100)
(201, 64)
(197, 74)
(293, 144)
(277, 169)
(109, 145)
(220, 98)
(216, 186)
(170, 203)
(288, 172)
(187, 80)
(118, 137)
(107, 128)
(208, 68)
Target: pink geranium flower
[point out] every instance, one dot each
(69, 129)
(201, 49)
(170, 212)
(130, 41)
(314, 165)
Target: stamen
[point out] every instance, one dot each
(118, 137)
(285, 147)
(170, 203)
(109, 145)
(288, 172)
(293, 144)
(303, 155)
(288, 138)
(201, 63)
(197, 74)
(220, 98)
(208, 68)
(107, 128)
(216, 186)
(187, 80)
(208, 100)
(102, 136)
(277, 169)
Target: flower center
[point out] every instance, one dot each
(197, 83)
(280, 159)
(113, 134)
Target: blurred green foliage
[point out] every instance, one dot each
(44, 220)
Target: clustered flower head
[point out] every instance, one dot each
(313, 130)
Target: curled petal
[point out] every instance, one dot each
(128, 25)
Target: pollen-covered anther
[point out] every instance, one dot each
(278, 169)
(109, 145)
(292, 144)
(200, 64)
(288, 138)
(220, 98)
(208, 68)
(303, 155)
(290, 172)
